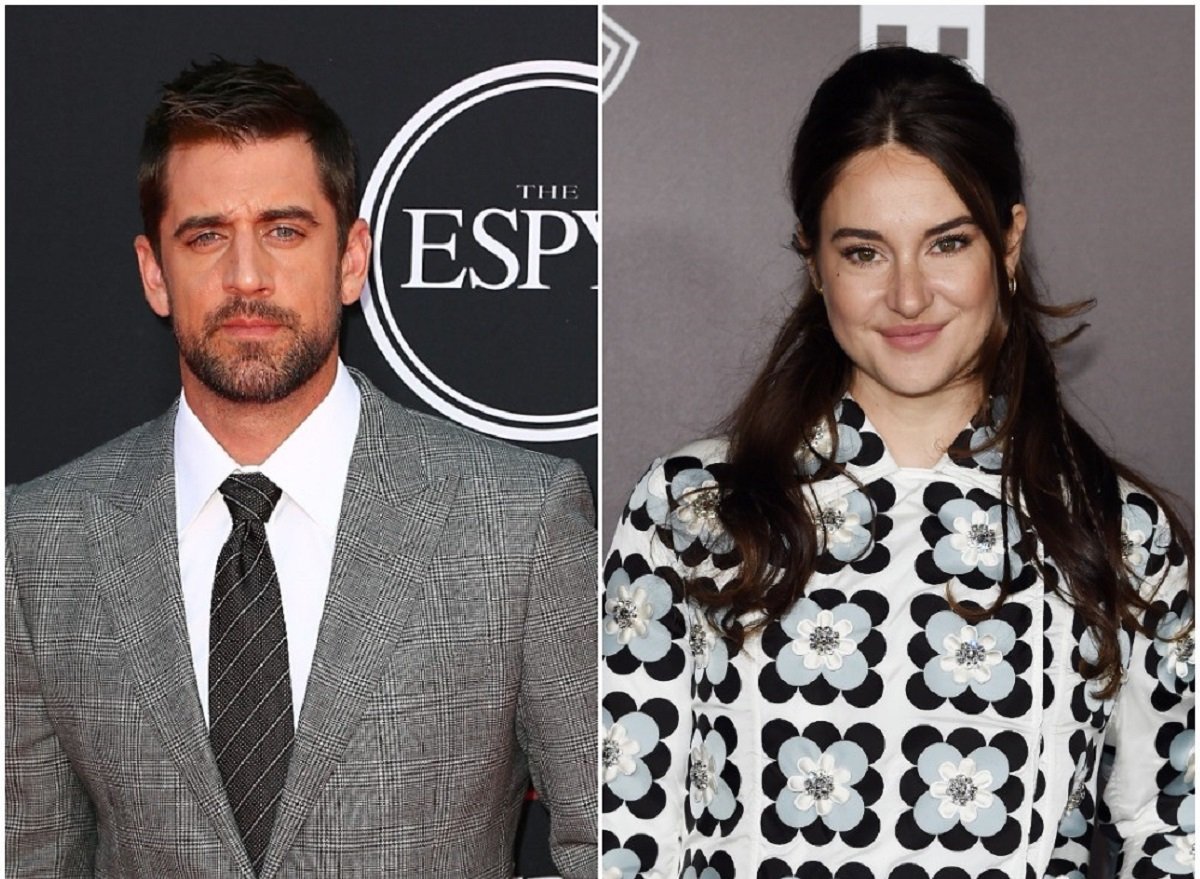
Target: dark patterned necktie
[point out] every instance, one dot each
(249, 690)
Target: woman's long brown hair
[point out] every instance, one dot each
(1061, 484)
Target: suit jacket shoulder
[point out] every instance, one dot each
(138, 457)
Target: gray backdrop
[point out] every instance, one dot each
(697, 274)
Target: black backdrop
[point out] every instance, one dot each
(86, 359)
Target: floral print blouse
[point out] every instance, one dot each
(872, 731)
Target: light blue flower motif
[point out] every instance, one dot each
(632, 616)
(1090, 654)
(1179, 857)
(844, 533)
(1073, 823)
(706, 873)
(976, 540)
(1178, 662)
(849, 444)
(620, 863)
(626, 744)
(1135, 528)
(1187, 813)
(651, 492)
(709, 792)
(988, 459)
(1182, 755)
(961, 790)
(695, 517)
(969, 656)
(824, 643)
(820, 784)
(710, 654)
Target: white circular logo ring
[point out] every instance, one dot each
(376, 199)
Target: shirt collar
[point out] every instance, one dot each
(310, 466)
(860, 449)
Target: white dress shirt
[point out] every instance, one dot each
(310, 467)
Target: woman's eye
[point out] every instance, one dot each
(951, 244)
(860, 254)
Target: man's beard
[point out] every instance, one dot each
(256, 372)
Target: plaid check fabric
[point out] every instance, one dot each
(249, 690)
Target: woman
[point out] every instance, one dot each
(891, 622)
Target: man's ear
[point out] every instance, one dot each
(356, 259)
(154, 286)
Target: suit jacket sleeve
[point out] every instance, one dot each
(50, 825)
(556, 712)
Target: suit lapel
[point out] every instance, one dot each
(390, 521)
(135, 555)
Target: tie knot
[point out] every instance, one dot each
(250, 496)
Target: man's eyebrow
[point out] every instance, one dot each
(290, 212)
(197, 222)
(872, 235)
(205, 221)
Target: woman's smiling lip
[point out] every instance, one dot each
(911, 337)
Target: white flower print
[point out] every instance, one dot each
(697, 510)
(1185, 849)
(838, 522)
(820, 783)
(702, 776)
(700, 641)
(1182, 655)
(970, 656)
(979, 540)
(824, 641)
(629, 614)
(617, 753)
(1132, 539)
(962, 791)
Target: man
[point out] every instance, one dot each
(289, 628)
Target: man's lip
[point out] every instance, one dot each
(243, 326)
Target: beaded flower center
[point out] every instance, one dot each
(610, 753)
(704, 504)
(824, 640)
(961, 790)
(624, 612)
(697, 642)
(1076, 797)
(1126, 545)
(819, 785)
(970, 654)
(1187, 647)
(982, 537)
(699, 775)
(833, 519)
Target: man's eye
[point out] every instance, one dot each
(204, 238)
(286, 233)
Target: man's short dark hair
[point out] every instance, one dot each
(237, 103)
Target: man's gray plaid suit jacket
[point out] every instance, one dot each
(456, 658)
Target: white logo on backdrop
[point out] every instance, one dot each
(381, 319)
(619, 48)
(931, 28)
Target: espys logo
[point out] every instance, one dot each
(482, 294)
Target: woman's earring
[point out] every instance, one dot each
(1012, 285)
